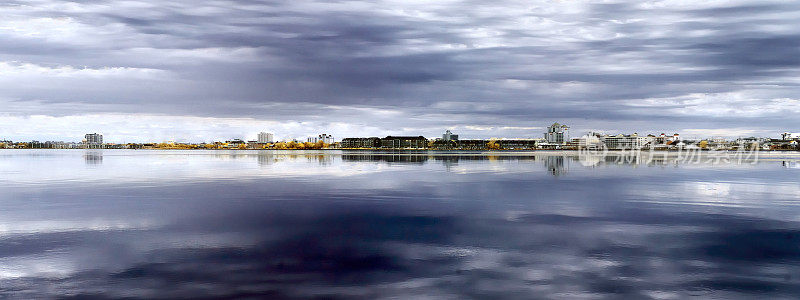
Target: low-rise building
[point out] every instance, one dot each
(361, 143)
(589, 141)
(404, 142)
(626, 142)
(518, 144)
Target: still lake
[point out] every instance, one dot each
(333, 224)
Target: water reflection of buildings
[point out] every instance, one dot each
(420, 158)
(93, 158)
(265, 159)
(392, 158)
(322, 159)
(556, 165)
(268, 158)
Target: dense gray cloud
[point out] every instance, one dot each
(708, 68)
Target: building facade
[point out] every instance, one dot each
(557, 134)
(449, 136)
(518, 144)
(265, 137)
(626, 142)
(94, 140)
(589, 141)
(356, 143)
(325, 138)
(404, 142)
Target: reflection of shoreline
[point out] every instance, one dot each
(648, 155)
(793, 153)
(93, 158)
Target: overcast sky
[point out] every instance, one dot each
(195, 70)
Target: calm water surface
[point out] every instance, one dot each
(215, 224)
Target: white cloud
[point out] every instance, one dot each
(733, 104)
(26, 71)
(120, 128)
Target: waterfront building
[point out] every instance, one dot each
(627, 142)
(370, 142)
(449, 136)
(517, 144)
(265, 137)
(589, 141)
(557, 134)
(404, 142)
(94, 140)
(235, 143)
(325, 138)
(473, 144)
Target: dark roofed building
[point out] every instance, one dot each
(368, 143)
(400, 142)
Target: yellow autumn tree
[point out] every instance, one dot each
(703, 144)
(493, 145)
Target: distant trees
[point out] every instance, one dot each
(175, 146)
(493, 145)
(299, 145)
(292, 145)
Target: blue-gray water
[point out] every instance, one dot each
(215, 224)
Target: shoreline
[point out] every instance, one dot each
(469, 152)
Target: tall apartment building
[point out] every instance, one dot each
(265, 137)
(557, 134)
(449, 136)
(94, 140)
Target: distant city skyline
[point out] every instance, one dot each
(554, 133)
(207, 70)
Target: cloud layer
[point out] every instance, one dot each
(401, 66)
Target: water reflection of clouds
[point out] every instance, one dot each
(373, 254)
(404, 230)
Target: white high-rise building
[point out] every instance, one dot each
(94, 140)
(325, 138)
(557, 134)
(449, 136)
(265, 137)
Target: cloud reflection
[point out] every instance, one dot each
(464, 226)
